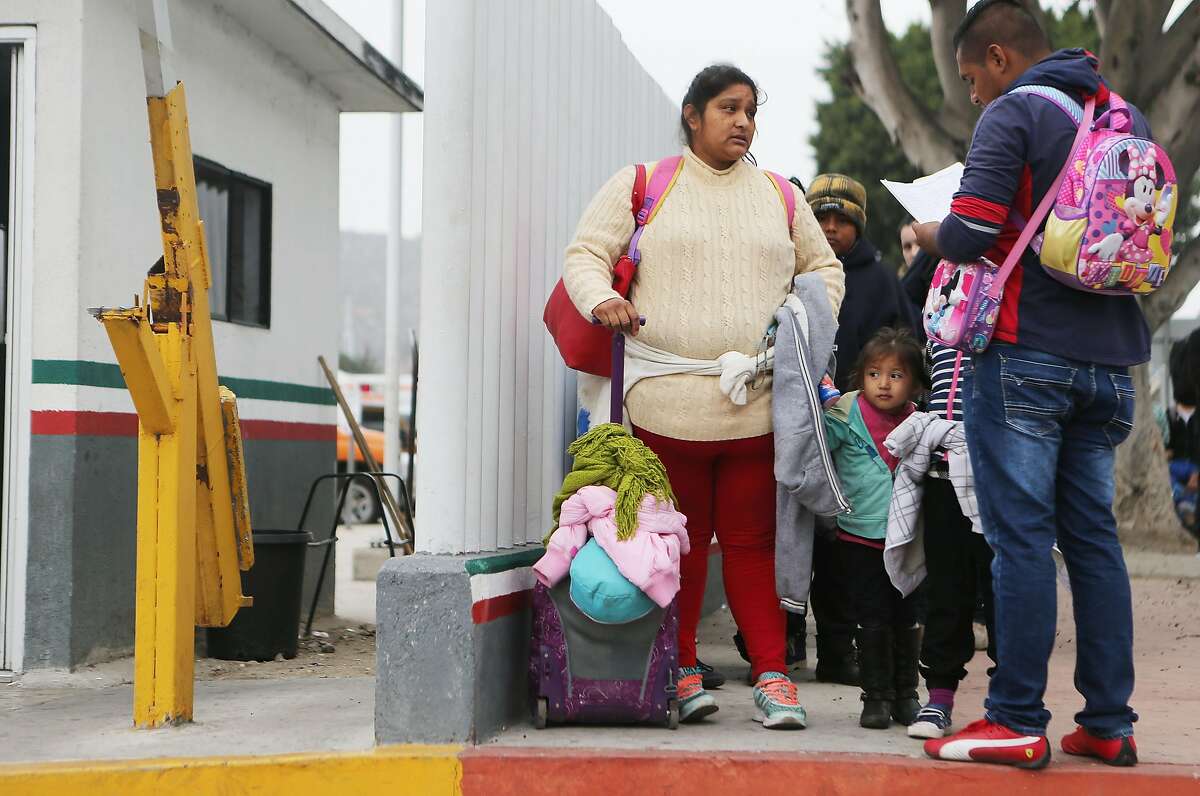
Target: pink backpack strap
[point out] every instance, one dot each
(660, 183)
(953, 385)
(784, 187)
(1031, 227)
(662, 180)
(1118, 117)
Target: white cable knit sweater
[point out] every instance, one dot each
(716, 264)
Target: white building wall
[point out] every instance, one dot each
(56, 197)
(95, 220)
(94, 234)
(248, 109)
(530, 106)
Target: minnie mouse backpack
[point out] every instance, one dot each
(1110, 231)
(1114, 204)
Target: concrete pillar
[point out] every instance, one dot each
(393, 342)
(443, 399)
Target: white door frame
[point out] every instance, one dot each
(14, 490)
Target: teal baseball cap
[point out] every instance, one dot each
(601, 592)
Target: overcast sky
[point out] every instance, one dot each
(780, 43)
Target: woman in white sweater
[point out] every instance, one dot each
(717, 261)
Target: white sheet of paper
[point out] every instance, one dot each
(928, 198)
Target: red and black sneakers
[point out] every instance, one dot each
(985, 742)
(1112, 751)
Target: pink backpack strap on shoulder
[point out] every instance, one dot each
(661, 181)
(659, 184)
(786, 195)
(1031, 226)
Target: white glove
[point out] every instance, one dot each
(1106, 250)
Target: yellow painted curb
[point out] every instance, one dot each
(394, 770)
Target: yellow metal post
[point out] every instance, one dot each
(146, 585)
(186, 258)
(193, 511)
(174, 594)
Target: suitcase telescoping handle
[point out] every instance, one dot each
(616, 404)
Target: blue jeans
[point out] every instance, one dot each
(1041, 431)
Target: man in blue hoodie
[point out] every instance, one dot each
(1050, 400)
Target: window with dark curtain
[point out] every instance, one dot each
(236, 210)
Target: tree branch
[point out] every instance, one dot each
(1102, 14)
(1173, 115)
(1170, 50)
(1129, 46)
(957, 116)
(910, 123)
(1158, 10)
(1160, 305)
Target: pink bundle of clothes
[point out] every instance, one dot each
(649, 559)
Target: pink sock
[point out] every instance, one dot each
(942, 696)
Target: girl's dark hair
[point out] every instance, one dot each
(886, 342)
(707, 84)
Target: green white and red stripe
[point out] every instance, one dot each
(502, 585)
(81, 398)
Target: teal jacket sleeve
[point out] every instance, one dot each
(835, 433)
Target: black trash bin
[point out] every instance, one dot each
(276, 581)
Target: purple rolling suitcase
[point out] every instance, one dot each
(582, 671)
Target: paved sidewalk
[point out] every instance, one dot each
(233, 717)
(322, 706)
(1167, 621)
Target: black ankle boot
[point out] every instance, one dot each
(875, 665)
(836, 659)
(906, 648)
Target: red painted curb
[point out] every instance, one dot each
(500, 771)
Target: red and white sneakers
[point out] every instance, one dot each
(1112, 751)
(985, 742)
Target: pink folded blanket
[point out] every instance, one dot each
(649, 559)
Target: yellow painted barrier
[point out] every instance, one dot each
(193, 510)
(396, 771)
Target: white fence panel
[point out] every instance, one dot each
(530, 106)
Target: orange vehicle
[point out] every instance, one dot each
(344, 443)
(362, 502)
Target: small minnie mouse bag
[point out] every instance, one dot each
(964, 299)
(963, 303)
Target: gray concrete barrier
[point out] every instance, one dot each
(452, 644)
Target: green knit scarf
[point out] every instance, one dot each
(610, 456)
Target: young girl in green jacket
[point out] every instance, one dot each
(889, 375)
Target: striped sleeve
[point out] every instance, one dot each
(944, 363)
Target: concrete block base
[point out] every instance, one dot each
(452, 645)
